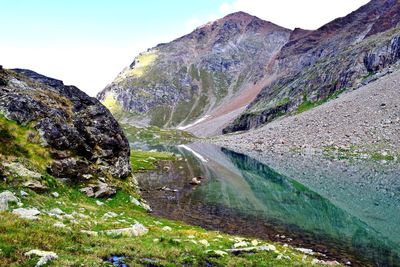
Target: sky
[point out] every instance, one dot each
(88, 42)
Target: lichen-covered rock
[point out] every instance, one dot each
(82, 136)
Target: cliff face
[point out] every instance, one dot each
(315, 65)
(175, 84)
(81, 135)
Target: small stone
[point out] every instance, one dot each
(136, 230)
(23, 193)
(99, 203)
(45, 256)
(167, 228)
(91, 233)
(204, 242)
(195, 181)
(134, 201)
(220, 253)
(35, 186)
(59, 225)
(88, 191)
(240, 244)
(109, 214)
(306, 251)
(55, 194)
(56, 211)
(29, 214)
(5, 198)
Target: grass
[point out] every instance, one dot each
(180, 246)
(144, 61)
(19, 143)
(307, 104)
(355, 153)
(112, 104)
(156, 136)
(148, 160)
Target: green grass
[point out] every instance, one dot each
(357, 153)
(148, 160)
(177, 247)
(307, 104)
(19, 143)
(156, 136)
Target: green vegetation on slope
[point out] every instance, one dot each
(155, 136)
(19, 143)
(147, 160)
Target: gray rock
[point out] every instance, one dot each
(136, 230)
(5, 198)
(45, 256)
(99, 190)
(35, 186)
(29, 214)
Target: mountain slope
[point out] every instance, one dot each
(217, 69)
(314, 65)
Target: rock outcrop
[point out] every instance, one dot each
(83, 138)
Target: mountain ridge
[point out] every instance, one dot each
(239, 72)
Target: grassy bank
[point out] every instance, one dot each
(168, 243)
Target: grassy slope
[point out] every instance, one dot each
(184, 244)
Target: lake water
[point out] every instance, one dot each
(240, 195)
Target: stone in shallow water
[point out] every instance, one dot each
(29, 214)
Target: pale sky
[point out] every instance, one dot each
(88, 42)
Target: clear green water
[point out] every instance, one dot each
(243, 196)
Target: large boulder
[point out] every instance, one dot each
(80, 133)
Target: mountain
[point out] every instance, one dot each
(215, 70)
(241, 72)
(315, 65)
(49, 127)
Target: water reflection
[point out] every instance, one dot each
(242, 195)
